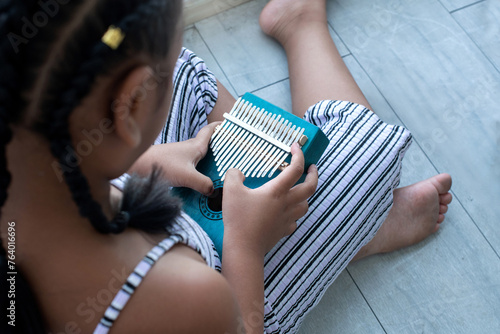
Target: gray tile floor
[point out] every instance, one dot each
(434, 67)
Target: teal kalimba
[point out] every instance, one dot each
(255, 137)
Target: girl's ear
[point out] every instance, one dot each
(132, 106)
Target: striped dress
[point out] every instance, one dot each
(357, 175)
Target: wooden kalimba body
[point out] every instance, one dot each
(256, 138)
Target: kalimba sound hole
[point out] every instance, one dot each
(214, 201)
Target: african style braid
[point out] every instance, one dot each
(79, 87)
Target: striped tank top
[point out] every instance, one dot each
(184, 231)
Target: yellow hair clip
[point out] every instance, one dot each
(113, 37)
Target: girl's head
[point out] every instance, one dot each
(89, 77)
(91, 81)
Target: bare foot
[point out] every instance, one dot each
(417, 212)
(280, 18)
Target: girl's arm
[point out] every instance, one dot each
(254, 221)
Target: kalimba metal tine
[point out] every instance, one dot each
(250, 153)
(266, 156)
(228, 152)
(263, 156)
(229, 143)
(282, 159)
(283, 130)
(239, 104)
(260, 146)
(235, 151)
(249, 164)
(299, 133)
(266, 160)
(254, 146)
(269, 161)
(273, 157)
(220, 127)
(289, 135)
(222, 136)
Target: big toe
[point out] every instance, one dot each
(442, 182)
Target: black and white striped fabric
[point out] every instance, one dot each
(357, 176)
(133, 281)
(185, 231)
(194, 96)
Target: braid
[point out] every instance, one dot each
(58, 133)
(60, 140)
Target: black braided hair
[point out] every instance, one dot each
(82, 79)
(149, 27)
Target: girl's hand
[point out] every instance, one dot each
(179, 160)
(256, 219)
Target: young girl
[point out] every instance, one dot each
(85, 90)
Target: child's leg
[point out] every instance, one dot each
(317, 71)
(225, 102)
(358, 173)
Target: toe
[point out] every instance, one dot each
(443, 209)
(440, 218)
(445, 199)
(442, 182)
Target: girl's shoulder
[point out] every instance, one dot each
(180, 294)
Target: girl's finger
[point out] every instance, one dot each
(306, 189)
(233, 178)
(202, 139)
(300, 210)
(199, 182)
(291, 228)
(206, 132)
(292, 172)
